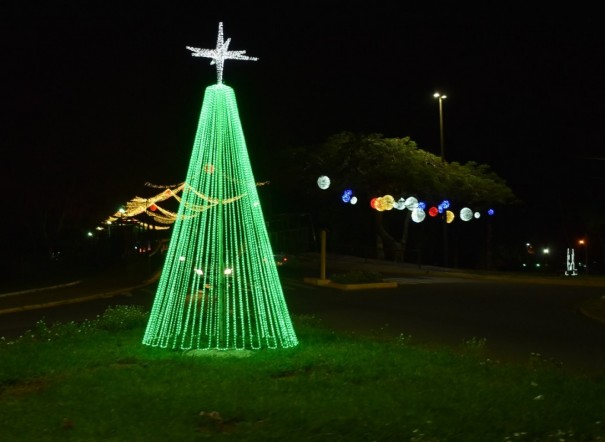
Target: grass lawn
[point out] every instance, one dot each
(96, 382)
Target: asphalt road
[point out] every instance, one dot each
(516, 319)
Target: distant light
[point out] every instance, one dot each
(89, 234)
(490, 212)
(199, 272)
(546, 251)
(399, 204)
(228, 271)
(182, 258)
(422, 205)
(477, 215)
(449, 216)
(433, 211)
(354, 200)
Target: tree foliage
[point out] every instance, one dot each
(374, 166)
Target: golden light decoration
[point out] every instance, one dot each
(388, 202)
(449, 216)
(150, 207)
(138, 205)
(382, 203)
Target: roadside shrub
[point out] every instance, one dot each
(122, 317)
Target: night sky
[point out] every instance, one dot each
(99, 100)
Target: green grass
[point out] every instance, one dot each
(96, 382)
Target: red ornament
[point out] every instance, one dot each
(373, 203)
(153, 207)
(433, 211)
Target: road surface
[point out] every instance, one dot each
(517, 319)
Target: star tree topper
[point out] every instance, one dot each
(220, 54)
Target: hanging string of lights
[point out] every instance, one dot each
(139, 205)
(150, 207)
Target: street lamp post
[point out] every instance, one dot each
(584, 243)
(441, 97)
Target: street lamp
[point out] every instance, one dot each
(441, 97)
(584, 243)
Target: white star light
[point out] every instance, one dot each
(220, 54)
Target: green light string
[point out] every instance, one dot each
(219, 287)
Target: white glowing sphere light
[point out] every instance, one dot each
(323, 182)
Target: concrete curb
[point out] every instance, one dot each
(52, 287)
(361, 286)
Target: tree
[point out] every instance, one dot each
(375, 166)
(219, 287)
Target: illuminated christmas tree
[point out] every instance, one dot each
(219, 288)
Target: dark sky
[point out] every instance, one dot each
(98, 100)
